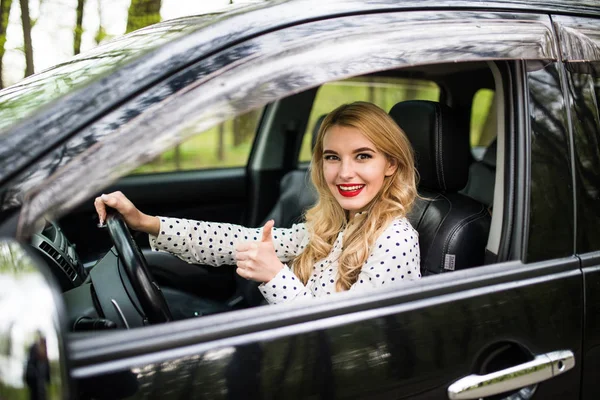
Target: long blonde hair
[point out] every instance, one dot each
(326, 219)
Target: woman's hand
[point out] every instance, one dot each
(134, 218)
(257, 260)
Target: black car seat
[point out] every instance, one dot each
(453, 228)
(296, 192)
(482, 177)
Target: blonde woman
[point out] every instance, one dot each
(356, 237)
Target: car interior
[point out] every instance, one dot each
(452, 114)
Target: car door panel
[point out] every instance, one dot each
(417, 341)
(591, 345)
(580, 39)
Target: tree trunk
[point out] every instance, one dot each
(26, 21)
(4, 14)
(78, 27)
(142, 13)
(221, 146)
(371, 91)
(101, 33)
(244, 126)
(177, 158)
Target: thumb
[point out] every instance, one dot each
(266, 233)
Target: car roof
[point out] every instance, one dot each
(38, 123)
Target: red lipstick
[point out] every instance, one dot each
(350, 190)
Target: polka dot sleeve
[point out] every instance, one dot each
(284, 288)
(214, 243)
(395, 258)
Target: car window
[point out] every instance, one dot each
(483, 123)
(383, 91)
(584, 81)
(223, 146)
(551, 231)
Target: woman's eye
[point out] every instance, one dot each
(331, 158)
(363, 156)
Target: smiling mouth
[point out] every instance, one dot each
(350, 190)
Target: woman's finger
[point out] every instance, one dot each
(244, 273)
(100, 209)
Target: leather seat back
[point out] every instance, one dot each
(296, 192)
(482, 177)
(453, 228)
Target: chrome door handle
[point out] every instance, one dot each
(544, 366)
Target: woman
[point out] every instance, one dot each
(356, 237)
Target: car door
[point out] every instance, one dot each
(412, 342)
(580, 41)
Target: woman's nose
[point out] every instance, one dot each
(346, 170)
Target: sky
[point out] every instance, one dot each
(52, 35)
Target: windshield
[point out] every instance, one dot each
(36, 91)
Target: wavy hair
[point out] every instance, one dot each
(327, 219)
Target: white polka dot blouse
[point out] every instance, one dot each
(394, 257)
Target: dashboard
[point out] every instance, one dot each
(97, 298)
(61, 255)
(99, 295)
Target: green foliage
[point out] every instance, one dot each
(101, 35)
(206, 150)
(22, 393)
(142, 13)
(4, 18)
(385, 92)
(482, 102)
(13, 261)
(201, 151)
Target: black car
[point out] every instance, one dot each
(212, 118)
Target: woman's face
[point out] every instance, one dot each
(353, 168)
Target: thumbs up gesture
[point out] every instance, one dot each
(257, 260)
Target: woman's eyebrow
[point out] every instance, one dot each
(359, 150)
(363, 149)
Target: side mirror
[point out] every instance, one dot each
(32, 319)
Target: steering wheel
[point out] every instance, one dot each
(147, 291)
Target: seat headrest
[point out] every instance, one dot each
(442, 150)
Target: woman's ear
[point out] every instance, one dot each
(391, 167)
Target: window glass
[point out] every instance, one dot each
(551, 190)
(225, 145)
(383, 91)
(483, 124)
(584, 87)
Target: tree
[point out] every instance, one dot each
(4, 14)
(142, 13)
(26, 21)
(101, 33)
(78, 27)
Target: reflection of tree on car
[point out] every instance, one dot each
(37, 369)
